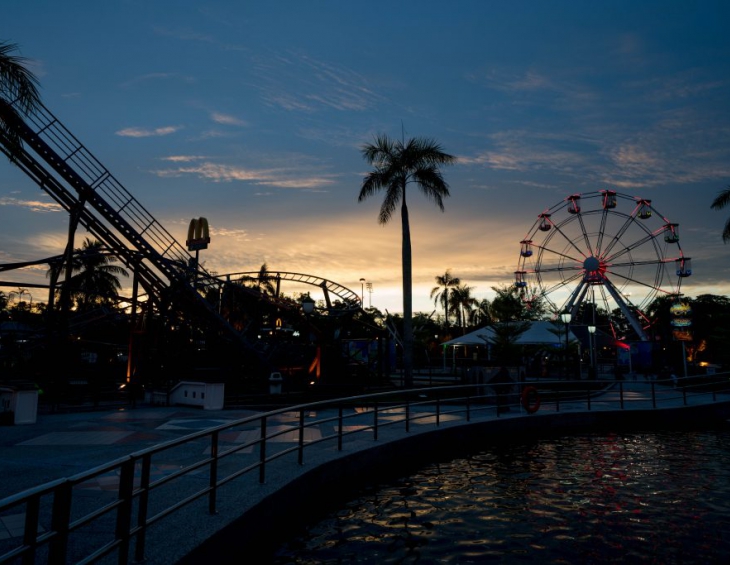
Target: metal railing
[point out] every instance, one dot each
(62, 526)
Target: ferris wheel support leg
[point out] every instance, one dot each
(625, 311)
(574, 300)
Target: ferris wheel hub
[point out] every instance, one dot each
(591, 264)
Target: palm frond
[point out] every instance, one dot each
(721, 200)
(16, 81)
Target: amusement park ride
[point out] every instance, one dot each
(589, 252)
(603, 252)
(168, 281)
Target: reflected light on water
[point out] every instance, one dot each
(660, 497)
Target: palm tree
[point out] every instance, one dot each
(396, 164)
(482, 314)
(722, 200)
(445, 281)
(462, 304)
(263, 281)
(96, 278)
(17, 84)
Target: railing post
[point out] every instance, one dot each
(621, 393)
(124, 510)
(468, 407)
(408, 416)
(213, 473)
(339, 428)
(262, 452)
(557, 400)
(653, 394)
(59, 523)
(30, 529)
(144, 485)
(301, 437)
(375, 421)
(589, 397)
(438, 412)
(684, 395)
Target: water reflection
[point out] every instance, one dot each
(649, 497)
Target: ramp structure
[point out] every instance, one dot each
(59, 163)
(36, 141)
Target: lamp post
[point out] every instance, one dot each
(591, 342)
(307, 304)
(308, 308)
(565, 318)
(362, 293)
(369, 286)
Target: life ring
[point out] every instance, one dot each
(530, 399)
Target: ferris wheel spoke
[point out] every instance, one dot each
(563, 283)
(632, 280)
(602, 230)
(628, 248)
(619, 233)
(640, 263)
(558, 269)
(557, 254)
(569, 241)
(583, 230)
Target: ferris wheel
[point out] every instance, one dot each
(604, 249)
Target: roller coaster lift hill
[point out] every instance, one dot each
(240, 335)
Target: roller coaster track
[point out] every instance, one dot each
(348, 297)
(55, 160)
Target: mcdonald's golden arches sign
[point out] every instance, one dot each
(198, 236)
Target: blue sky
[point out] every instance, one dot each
(252, 114)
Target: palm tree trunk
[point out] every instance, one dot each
(407, 297)
(446, 307)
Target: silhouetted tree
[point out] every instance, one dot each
(396, 164)
(445, 282)
(720, 202)
(17, 84)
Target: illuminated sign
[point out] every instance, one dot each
(198, 236)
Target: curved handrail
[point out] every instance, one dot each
(51, 529)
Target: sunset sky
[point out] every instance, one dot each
(252, 114)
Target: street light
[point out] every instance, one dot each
(565, 317)
(369, 286)
(591, 344)
(362, 293)
(307, 304)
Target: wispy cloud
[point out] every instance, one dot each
(297, 82)
(33, 205)
(156, 77)
(281, 178)
(524, 150)
(227, 119)
(143, 132)
(183, 158)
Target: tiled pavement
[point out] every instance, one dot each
(62, 445)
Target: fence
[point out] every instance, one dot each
(62, 525)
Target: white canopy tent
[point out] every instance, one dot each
(540, 332)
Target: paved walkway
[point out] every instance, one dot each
(61, 445)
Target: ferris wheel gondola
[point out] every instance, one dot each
(611, 250)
